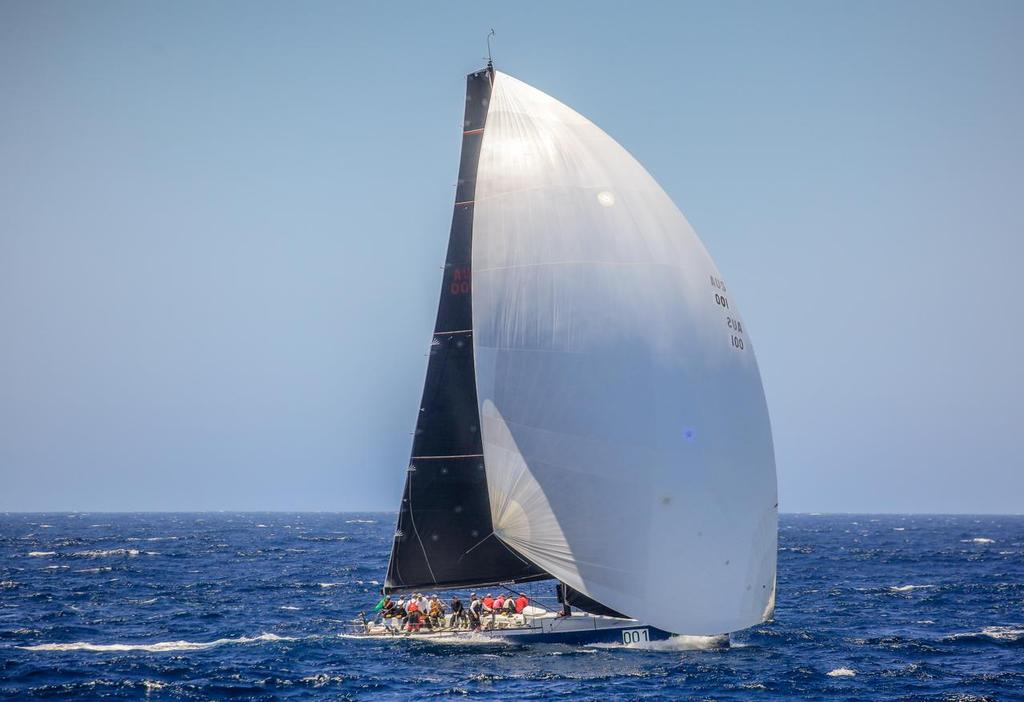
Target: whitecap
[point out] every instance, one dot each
(329, 585)
(107, 553)
(1003, 633)
(321, 679)
(290, 608)
(153, 685)
(977, 540)
(159, 647)
(360, 521)
(40, 554)
(908, 588)
(841, 673)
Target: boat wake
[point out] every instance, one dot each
(452, 638)
(679, 642)
(159, 647)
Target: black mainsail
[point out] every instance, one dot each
(444, 536)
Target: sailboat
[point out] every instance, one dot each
(593, 413)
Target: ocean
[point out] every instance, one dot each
(254, 606)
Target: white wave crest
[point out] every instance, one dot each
(360, 521)
(978, 540)
(1000, 633)
(41, 554)
(159, 647)
(321, 679)
(841, 673)
(108, 553)
(908, 588)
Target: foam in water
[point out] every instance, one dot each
(841, 673)
(679, 642)
(1003, 633)
(978, 540)
(40, 554)
(908, 588)
(159, 647)
(107, 553)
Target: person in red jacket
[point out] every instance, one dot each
(499, 603)
(415, 619)
(488, 603)
(521, 603)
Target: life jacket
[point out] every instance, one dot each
(489, 602)
(521, 604)
(413, 607)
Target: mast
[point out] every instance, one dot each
(445, 534)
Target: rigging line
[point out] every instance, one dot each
(461, 455)
(528, 598)
(412, 518)
(475, 545)
(513, 552)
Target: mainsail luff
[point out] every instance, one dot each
(444, 535)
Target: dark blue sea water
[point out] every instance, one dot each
(251, 606)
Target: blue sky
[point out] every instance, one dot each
(221, 226)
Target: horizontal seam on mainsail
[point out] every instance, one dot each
(462, 455)
(478, 269)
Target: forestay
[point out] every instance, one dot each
(625, 431)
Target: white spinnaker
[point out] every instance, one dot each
(605, 361)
